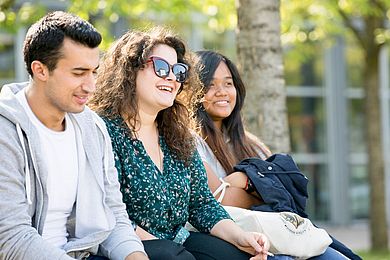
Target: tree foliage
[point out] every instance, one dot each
(217, 15)
(13, 16)
(306, 21)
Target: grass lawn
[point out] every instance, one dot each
(370, 255)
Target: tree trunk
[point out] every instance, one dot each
(378, 223)
(261, 64)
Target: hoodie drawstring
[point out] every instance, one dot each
(27, 167)
(106, 150)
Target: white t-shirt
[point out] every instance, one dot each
(208, 157)
(60, 151)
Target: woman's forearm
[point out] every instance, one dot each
(239, 198)
(227, 230)
(250, 242)
(234, 196)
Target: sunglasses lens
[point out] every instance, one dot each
(180, 72)
(161, 68)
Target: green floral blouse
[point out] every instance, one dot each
(161, 203)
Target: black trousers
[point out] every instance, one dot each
(199, 246)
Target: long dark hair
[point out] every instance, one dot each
(243, 145)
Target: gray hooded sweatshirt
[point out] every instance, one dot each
(98, 224)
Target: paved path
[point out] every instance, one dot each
(355, 236)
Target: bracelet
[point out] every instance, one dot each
(249, 186)
(247, 183)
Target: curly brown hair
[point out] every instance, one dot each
(115, 93)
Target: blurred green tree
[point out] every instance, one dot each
(215, 15)
(367, 21)
(13, 15)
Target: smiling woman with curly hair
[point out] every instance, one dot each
(116, 88)
(147, 89)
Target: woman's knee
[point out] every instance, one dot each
(205, 246)
(162, 249)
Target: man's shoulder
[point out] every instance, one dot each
(13, 87)
(10, 107)
(87, 118)
(7, 127)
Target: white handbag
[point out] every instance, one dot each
(288, 233)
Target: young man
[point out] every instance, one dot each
(59, 194)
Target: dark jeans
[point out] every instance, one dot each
(197, 246)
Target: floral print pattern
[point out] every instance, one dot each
(162, 202)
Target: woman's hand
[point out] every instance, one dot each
(254, 243)
(237, 179)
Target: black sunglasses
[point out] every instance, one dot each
(161, 68)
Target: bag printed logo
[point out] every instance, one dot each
(294, 223)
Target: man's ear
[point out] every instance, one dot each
(40, 70)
